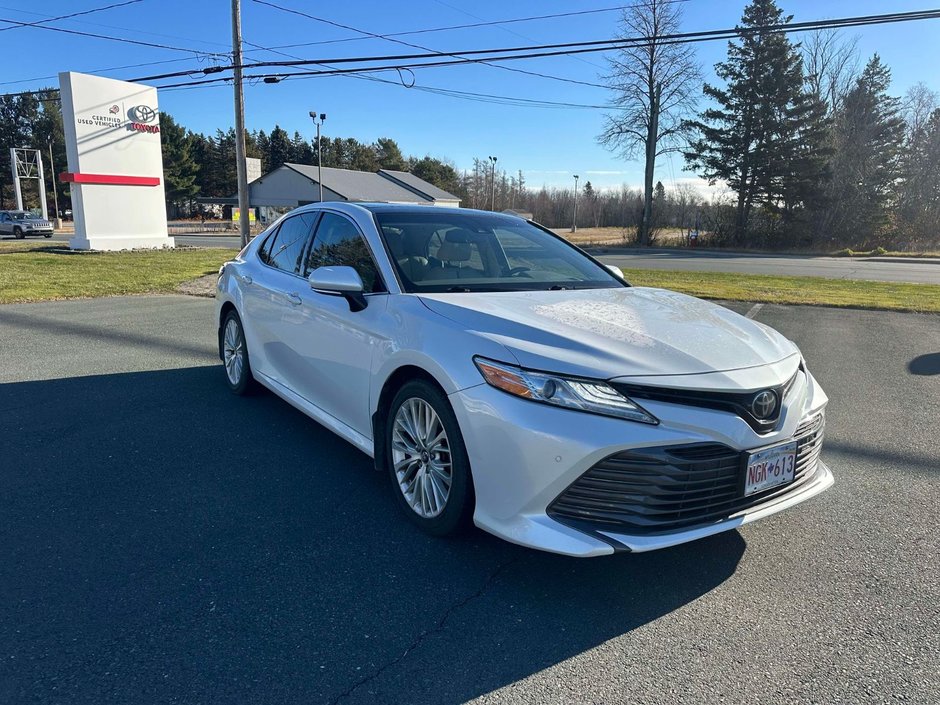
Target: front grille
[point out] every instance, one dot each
(738, 403)
(661, 489)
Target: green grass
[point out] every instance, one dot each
(812, 291)
(37, 271)
(33, 271)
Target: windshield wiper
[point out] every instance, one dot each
(458, 289)
(557, 287)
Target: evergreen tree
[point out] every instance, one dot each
(868, 138)
(180, 171)
(752, 138)
(437, 172)
(279, 148)
(264, 147)
(388, 154)
(301, 150)
(919, 207)
(17, 116)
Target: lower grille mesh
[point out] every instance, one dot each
(653, 490)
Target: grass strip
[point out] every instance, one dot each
(811, 291)
(33, 272)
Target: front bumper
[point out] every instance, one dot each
(524, 455)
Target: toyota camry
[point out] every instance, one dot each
(499, 374)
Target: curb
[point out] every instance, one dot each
(904, 260)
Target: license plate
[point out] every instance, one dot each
(770, 467)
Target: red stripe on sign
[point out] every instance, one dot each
(69, 177)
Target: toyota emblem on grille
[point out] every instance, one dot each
(143, 113)
(764, 404)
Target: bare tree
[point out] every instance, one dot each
(831, 62)
(656, 85)
(918, 106)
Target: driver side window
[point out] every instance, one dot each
(338, 242)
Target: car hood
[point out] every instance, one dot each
(607, 333)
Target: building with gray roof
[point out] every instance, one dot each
(293, 185)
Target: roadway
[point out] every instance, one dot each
(165, 541)
(871, 269)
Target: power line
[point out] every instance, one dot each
(75, 14)
(123, 40)
(569, 47)
(109, 68)
(418, 46)
(526, 37)
(109, 26)
(471, 25)
(548, 50)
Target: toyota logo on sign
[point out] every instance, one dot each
(143, 113)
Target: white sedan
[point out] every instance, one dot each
(496, 372)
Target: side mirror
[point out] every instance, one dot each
(341, 281)
(615, 270)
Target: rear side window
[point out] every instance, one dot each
(338, 243)
(285, 248)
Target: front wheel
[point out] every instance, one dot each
(235, 356)
(427, 460)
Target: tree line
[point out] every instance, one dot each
(806, 142)
(808, 139)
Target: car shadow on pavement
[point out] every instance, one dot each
(928, 364)
(163, 540)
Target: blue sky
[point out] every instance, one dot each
(548, 145)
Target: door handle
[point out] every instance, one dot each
(294, 298)
(245, 278)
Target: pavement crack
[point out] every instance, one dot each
(427, 633)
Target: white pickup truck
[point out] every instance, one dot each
(19, 224)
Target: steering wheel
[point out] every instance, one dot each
(518, 270)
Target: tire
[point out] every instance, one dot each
(440, 509)
(235, 360)
(18, 234)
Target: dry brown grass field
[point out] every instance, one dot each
(616, 236)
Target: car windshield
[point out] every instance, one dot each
(445, 250)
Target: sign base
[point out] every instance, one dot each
(129, 242)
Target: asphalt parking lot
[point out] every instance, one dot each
(163, 541)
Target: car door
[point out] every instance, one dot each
(335, 343)
(5, 228)
(270, 299)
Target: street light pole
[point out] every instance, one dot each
(322, 119)
(574, 221)
(493, 203)
(241, 169)
(55, 193)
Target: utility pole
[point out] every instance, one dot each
(318, 123)
(55, 192)
(574, 221)
(241, 169)
(493, 204)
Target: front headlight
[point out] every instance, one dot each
(593, 396)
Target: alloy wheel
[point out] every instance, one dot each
(233, 351)
(422, 458)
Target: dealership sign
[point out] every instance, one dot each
(115, 163)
